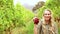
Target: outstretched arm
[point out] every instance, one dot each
(36, 21)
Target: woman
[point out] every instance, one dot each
(46, 25)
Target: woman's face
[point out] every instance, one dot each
(47, 15)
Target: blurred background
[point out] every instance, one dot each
(16, 16)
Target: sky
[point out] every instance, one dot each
(30, 2)
(27, 3)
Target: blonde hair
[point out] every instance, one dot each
(51, 19)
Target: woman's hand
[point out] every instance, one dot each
(36, 20)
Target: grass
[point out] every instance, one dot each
(24, 30)
(28, 29)
(59, 30)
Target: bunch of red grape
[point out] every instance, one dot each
(36, 20)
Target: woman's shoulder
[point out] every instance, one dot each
(55, 24)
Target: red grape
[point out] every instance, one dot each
(36, 20)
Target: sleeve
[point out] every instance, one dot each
(39, 27)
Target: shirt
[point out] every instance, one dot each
(46, 28)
